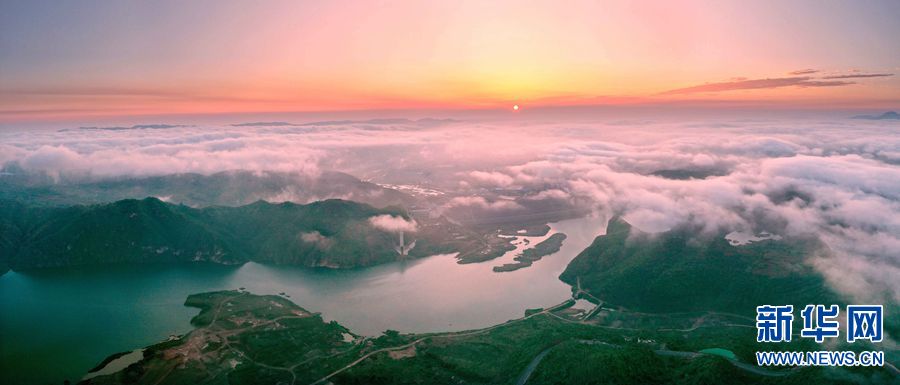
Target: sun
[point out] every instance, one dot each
(516, 107)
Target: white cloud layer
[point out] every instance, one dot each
(392, 223)
(836, 180)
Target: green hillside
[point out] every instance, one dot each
(330, 233)
(241, 338)
(680, 270)
(125, 231)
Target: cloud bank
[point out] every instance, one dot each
(799, 78)
(393, 224)
(803, 72)
(834, 180)
(752, 84)
(856, 76)
(841, 186)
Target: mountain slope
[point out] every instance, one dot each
(681, 271)
(126, 231)
(229, 188)
(241, 338)
(331, 233)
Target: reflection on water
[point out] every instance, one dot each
(117, 364)
(60, 323)
(521, 242)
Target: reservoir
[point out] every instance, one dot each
(57, 324)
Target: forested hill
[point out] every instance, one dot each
(227, 188)
(331, 233)
(681, 270)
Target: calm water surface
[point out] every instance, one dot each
(58, 324)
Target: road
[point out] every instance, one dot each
(523, 377)
(526, 373)
(442, 335)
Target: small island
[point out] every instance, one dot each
(531, 255)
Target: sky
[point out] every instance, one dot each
(70, 60)
(137, 88)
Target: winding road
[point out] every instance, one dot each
(443, 335)
(526, 373)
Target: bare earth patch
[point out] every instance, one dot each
(405, 353)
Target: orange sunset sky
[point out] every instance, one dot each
(77, 59)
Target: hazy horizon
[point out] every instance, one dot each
(485, 192)
(843, 170)
(76, 61)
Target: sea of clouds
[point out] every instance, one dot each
(836, 180)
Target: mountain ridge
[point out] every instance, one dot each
(332, 233)
(678, 270)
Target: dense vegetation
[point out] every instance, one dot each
(241, 338)
(680, 270)
(605, 364)
(229, 188)
(533, 254)
(330, 233)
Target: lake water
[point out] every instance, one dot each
(58, 324)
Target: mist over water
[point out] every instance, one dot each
(834, 180)
(411, 167)
(830, 178)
